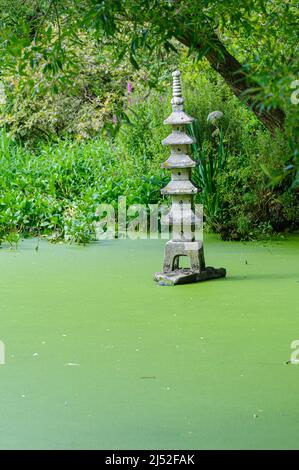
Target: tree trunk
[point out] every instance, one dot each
(231, 70)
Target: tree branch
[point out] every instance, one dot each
(230, 69)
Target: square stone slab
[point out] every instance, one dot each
(187, 276)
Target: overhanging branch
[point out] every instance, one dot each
(230, 69)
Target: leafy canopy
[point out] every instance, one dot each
(261, 33)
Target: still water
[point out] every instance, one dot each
(98, 356)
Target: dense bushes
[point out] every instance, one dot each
(251, 187)
(248, 176)
(85, 97)
(53, 189)
(76, 107)
(256, 191)
(56, 190)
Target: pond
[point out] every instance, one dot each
(99, 356)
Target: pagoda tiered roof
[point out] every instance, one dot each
(178, 138)
(179, 187)
(178, 160)
(179, 118)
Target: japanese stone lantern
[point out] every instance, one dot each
(181, 217)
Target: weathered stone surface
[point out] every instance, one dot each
(174, 250)
(182, 174)
(187, 276)
(178, 138)
(178, 118)
(184, 217)
(179, 187)
(178, 161)
(177, 98)
(181, 216)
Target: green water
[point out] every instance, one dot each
(185, 367)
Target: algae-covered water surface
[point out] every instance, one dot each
(99, 356)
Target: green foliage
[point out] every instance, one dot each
(56, 190)
(143, 134)
(247, 175)
(77, 109)
(210, 157)
(261, 33)
(41, 106)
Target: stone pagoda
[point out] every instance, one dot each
(181, 217)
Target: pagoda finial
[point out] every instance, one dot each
(177, 98)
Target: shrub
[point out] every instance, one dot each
(55, 190)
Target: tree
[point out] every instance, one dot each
(253, 45)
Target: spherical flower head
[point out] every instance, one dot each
(214, 117)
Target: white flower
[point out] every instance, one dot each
(214, 116)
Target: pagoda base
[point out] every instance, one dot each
(187, 276)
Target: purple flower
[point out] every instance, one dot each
(131, 100)
(114, 119)
(130, 87)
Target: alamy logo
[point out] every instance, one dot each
(295, 94)
(294, 359)
(2, 353)
(150, 221)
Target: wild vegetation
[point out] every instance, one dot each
(85, 88)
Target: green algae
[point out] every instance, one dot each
(99, 356)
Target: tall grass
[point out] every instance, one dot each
(209, 153)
